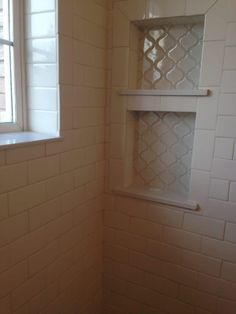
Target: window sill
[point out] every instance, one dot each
(16, 139)
(155, 195)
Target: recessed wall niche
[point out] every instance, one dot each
(164, 72)
(167, 52)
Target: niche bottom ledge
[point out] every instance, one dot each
(159, 196)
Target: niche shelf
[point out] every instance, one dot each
(168, 92)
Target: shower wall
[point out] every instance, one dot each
(51, 194)
(157, 258)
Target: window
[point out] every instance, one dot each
(10, 66)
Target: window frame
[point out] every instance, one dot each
(18, 76)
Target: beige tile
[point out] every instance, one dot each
(216, 22)
(199, 7)
(133, 9)
(120, 62)
(203, 225)
(13, 228)
(13, 177)
(43, 258)
(201, 263)
(12, 278)
(41, 169)
(164, 252)
(28, 290)
(182, 239)
(165, 8)
(120, 29)
(5, 305)
(27, 197)
(145, 228)
(40, 215)
(212, 63)
(3, 207)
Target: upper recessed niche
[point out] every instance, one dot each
(167, 53)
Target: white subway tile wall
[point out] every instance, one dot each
(159, 259)
(51, 195)
(58, 252)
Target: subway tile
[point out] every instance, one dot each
(201, 263)
(164, 252)
(182, 239)
(224, 148)
(42, 300)
(3, 206)
(40, 215)
(218, 209)
(198, 298)
(179, 274)
(232, 192)
(116, 220)
(145, 228)
(226, 126)
(130, 241)
(219, 189)
(13, 177)
(116, 253)
(216, 22)
(228, 271)
(230, 232)
(160, 284)
(228, 82)
(219, 249)
(133, 9)
(203, 225)
(13, 228)
(121, 29)
(225, 306)
(12, 278)
(227, 104)
(165, 8)
(203, 149)
(28, 290)
(120, 61)
(27, 197)
(230, 35)
(43, 258)
(146, 263)
(213, 54)
(59, 185)
(199, 7)
(165, 216)
(5, 306)
(40, 238)
(44, 168)
(229, 58)
(207, 110)
(224, 169)
(200, 182)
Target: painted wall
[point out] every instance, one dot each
(51, 195)
(159, 259)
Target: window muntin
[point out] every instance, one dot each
(10, 63)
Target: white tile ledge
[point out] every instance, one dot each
(9, 140)
(167, 92)
(155, 195)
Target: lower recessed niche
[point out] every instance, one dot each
(163, 150)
